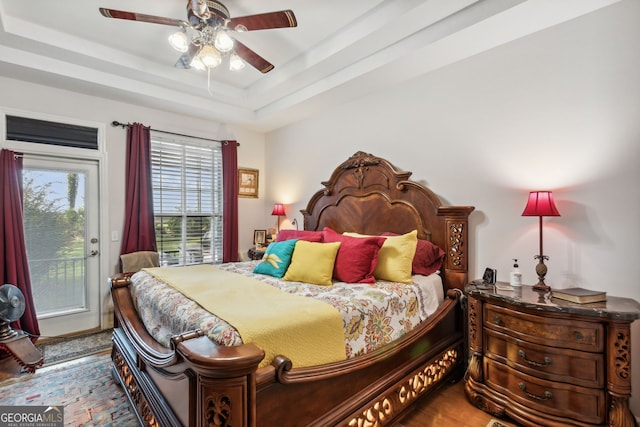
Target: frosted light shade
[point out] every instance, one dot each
(223, 42)
(179, 41)
(235, 62)
(209, 56)
(197, 64)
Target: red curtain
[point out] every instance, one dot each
(138, 233)
(14, 267)
(230, 201)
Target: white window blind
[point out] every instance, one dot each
(187, 199)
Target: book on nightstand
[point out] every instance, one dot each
(579, 295)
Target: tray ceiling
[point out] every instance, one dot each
(340, 50)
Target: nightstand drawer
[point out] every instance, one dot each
(554, 364)
(545, 330)
(563, 400)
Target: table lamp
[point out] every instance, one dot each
(540, 203)
(278, 209)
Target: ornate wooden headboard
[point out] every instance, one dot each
(368, 195)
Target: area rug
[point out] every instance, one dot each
(84, 387)
(68, 348)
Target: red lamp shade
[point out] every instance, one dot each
(278, 209)
(540, 203)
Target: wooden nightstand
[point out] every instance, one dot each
(545, 361)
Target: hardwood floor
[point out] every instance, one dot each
(448, 407)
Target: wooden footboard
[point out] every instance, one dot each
(198, 383)
(375, 389)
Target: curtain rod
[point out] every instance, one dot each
(125, 125)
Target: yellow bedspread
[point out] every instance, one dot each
(307, 331)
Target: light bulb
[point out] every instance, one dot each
(197, 64)
(179, 41)
(223, 42)
(209, 56)
(235, 62)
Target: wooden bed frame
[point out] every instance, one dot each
(198, 383)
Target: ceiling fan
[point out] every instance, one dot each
(207, 34)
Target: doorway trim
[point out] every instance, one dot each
(100, 156)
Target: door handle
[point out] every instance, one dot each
(93, 252)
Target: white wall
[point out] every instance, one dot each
(36, 99)
(557, 110)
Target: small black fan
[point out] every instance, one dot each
(11, 309)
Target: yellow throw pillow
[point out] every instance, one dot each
(395, 257)
(312, 262)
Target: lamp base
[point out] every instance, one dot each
(541, 287)
(541, 270)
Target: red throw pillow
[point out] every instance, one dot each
(308, 235)
(428, 258)
(357, 257)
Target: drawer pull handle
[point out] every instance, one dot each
(547, 394)
(547, 360)
(578, 336)
(497, 320)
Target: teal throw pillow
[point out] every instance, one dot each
(277, 258)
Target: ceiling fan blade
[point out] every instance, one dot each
(132, 16)
(185, 59)
(263, 21)
(252, 58)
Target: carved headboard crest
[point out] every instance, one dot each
(359, 160)
(362, 162)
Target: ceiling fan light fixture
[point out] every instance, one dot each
(179, 41)
(235, 62)
(223, 42)
(205, 37)
(209, 56)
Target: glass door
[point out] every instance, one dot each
(61, 206)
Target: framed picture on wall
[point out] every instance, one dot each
(247, 182)
(259, 237)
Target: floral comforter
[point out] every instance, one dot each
(373, 315)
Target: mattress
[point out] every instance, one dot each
(373, 314)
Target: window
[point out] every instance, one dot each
(54, 133)
(187, 199)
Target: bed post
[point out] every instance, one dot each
(456, 251)
(226, 381)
